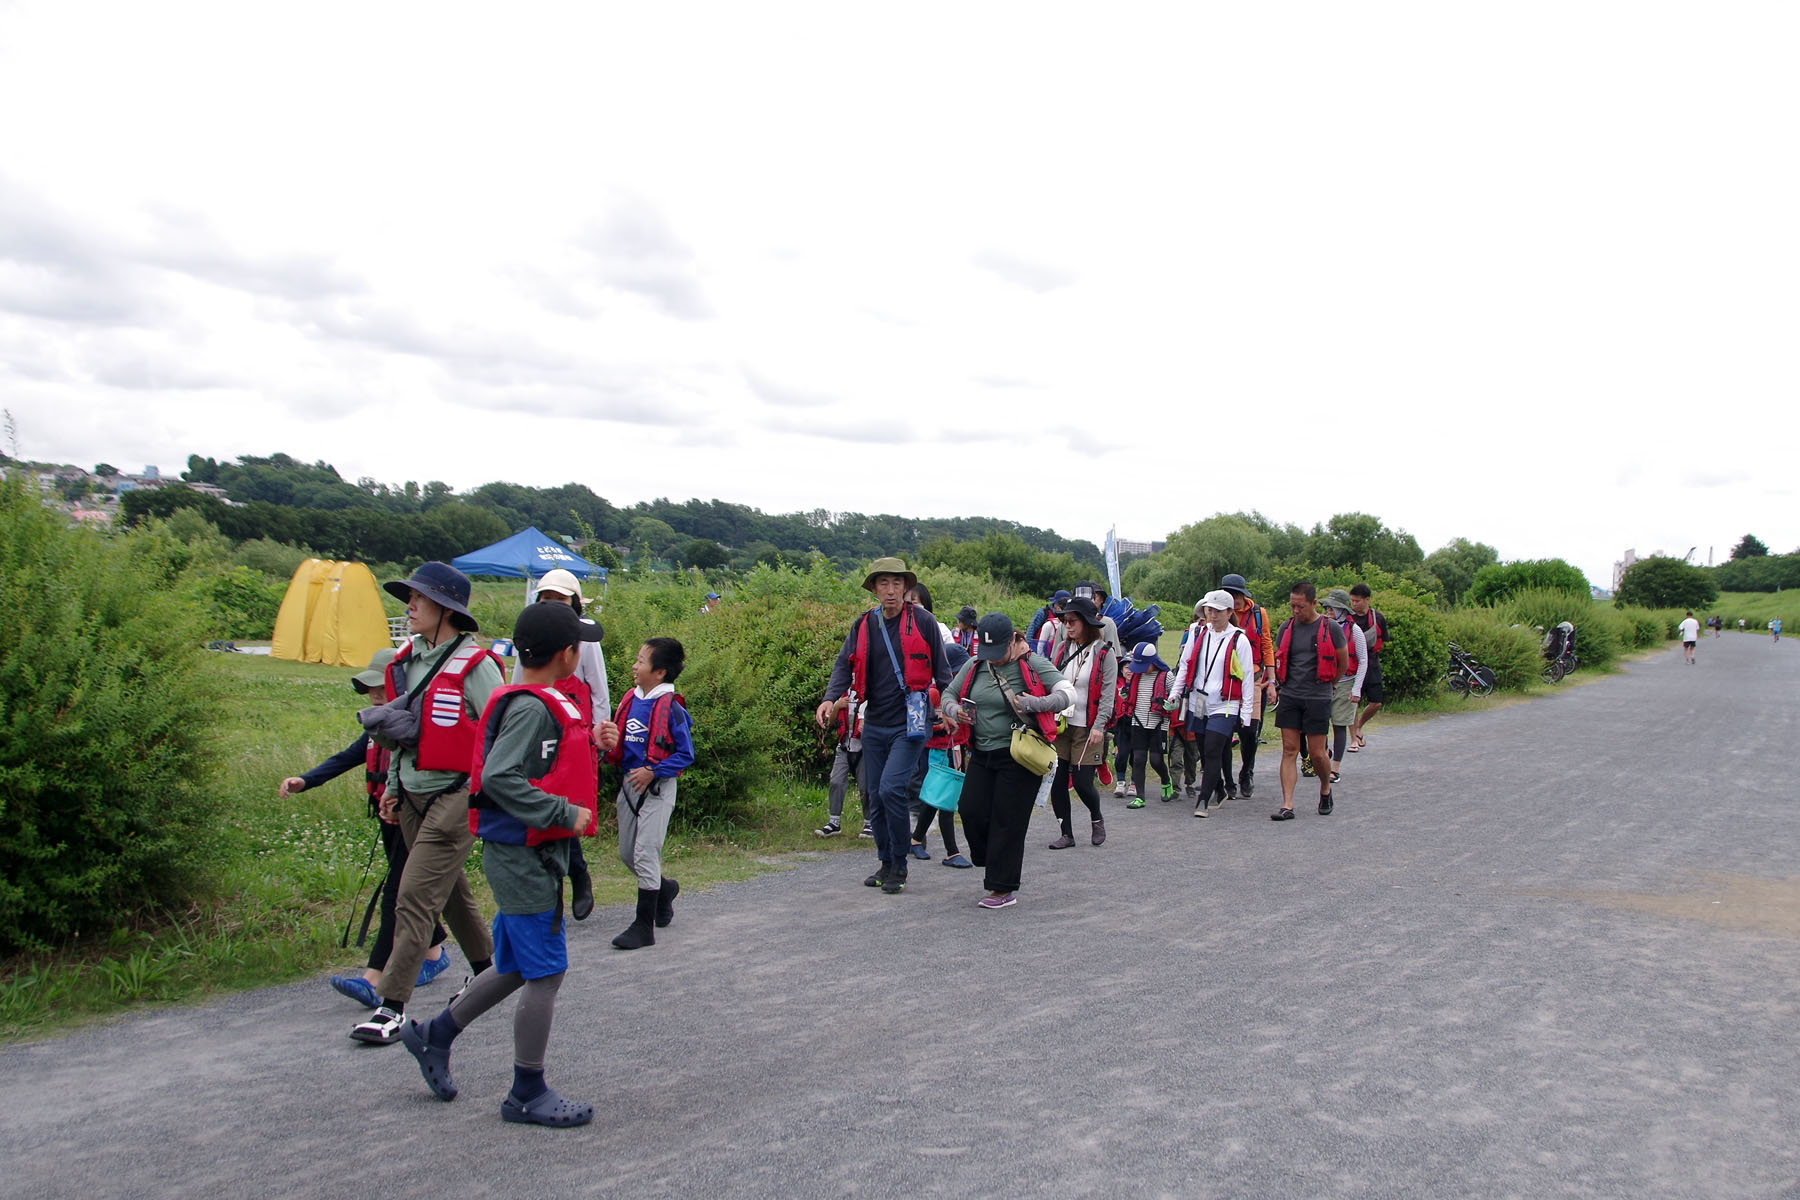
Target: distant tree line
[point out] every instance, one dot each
(283, 499)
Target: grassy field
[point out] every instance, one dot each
(1757, 609)
(286, 873)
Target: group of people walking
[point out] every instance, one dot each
(452, 753)
(1031, 712)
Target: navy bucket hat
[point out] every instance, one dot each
(444, 586)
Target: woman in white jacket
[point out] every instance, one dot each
(1217, 678)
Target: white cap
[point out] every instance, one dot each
(563, 582)
(1219, 599)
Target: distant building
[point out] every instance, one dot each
(1622, 566)
(1125, 547)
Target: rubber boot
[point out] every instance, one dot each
(581, 887)
(639, 933)
(665, 902)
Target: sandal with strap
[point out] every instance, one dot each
(548, 1109)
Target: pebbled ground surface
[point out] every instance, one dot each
(1544, 950)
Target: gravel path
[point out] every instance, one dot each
(1545, 950)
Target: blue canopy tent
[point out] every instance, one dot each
(528, 554)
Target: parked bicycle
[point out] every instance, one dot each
(1466, 676)
(1560, 658)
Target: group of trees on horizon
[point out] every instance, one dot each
(282, 499)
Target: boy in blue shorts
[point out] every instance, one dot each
(655, 745)
(532, 788)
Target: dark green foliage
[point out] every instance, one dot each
(1455, 565)
(1009, 560)
(1272, 592)
(1413, 660)
(1500, 581)
(1758, 573)
(1357, 540)
(1663, 582)
(1750, 547)
(1513, 652)
(703, 553)
(1196, 557)
(240, 603)
(1600, 631)
(105, 727)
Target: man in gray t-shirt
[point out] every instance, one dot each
(1303, 691)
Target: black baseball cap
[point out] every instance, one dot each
(543, 629)
(993, 636)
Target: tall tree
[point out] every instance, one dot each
(1455, 565)
(1750, 547)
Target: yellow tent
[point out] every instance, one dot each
(331, 614)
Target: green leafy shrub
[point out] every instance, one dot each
(1601, 631)
(106, 713)
(1498, 582)
(1513, 652)
(1413, 660)
(239, 603)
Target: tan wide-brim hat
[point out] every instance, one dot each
(888, 566)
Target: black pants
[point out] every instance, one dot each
(1146, 746)
(923, 812)
(997, 798)
(1215, 760)
(1083, 779)
(393, 845)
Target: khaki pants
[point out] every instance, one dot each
(438, 842)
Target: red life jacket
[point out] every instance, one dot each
(964, 638)
(1259, 625)
(941, 737)
(1233, 686)
(1374, 627)
(1096, 675)
(659, 745)
(1125, 707)
(577, 690)
(1350, 644)
(1327, 651)
(1034, 686)
(448, 735)
(376, 760)
(914, 652)
(571, 775)
(849, 723)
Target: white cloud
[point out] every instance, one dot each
(1528, 271)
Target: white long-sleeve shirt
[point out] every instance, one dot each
(1202, 671)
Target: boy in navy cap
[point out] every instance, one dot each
(534, 789)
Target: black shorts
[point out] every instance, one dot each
(1309, 716)
(1371, 692)
(1689, 645)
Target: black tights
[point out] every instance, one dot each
(1147, 746)
(1340, 734)
(1083, 778)
(946, 825)
(1215, 760)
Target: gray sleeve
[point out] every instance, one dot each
(525, 727)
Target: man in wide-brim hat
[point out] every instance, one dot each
(892, 652)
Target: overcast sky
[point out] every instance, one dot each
(1523, 273)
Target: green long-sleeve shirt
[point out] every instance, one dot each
(478, 685)
(524, 748)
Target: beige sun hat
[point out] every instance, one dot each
(561, 582)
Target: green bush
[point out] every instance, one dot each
(1499, 582)
(239, 603)
(1601, 631)
(106, 711)
(1413, 660)
(1513, 652)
